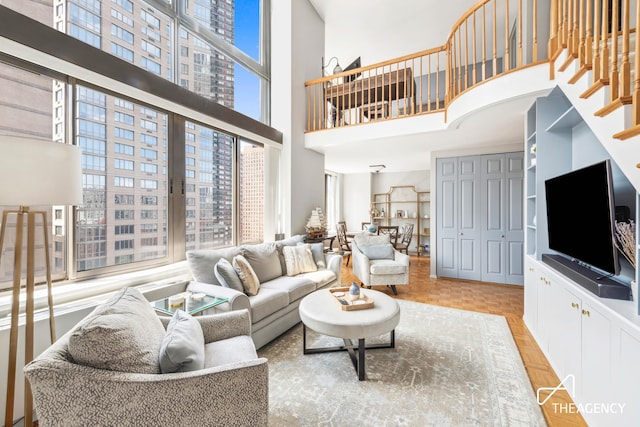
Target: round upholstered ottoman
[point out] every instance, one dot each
(319, 312)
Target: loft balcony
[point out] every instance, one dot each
(499, 55)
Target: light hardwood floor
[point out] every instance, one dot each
(505, 300)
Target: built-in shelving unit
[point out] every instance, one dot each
(596, 340)
(401, 204)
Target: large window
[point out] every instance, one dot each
(251, 192)
(155, 181)
(130, 178)
(209, 187)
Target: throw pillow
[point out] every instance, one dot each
(378, 251)
(264, 260)
(317, 250)
(227, 275)
(298, 259)
(250, 282)
(123, 334)
(202, 262)
(291, 241)
(182, 348)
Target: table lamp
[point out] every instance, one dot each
(33, 172)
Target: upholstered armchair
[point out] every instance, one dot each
(377, 262)
(232, 389)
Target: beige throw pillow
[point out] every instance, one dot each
(298, 259)
(248, 277)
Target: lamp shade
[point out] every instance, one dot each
(35, 172)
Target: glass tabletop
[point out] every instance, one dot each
(190, 304)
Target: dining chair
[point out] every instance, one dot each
(343, 243)
(392, 231)
(405, 240)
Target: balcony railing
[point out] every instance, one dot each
(492, 38)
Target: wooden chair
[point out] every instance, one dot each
(343, 243)
(405, 241)
(392, 231)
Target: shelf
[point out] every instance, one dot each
(532, 197)
(532, 136)
(531, 227)
(567, 120)
(531, 168)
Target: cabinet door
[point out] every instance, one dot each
(565, 333)
(595, 379)
(514, 218)
(493, 218)
(447, 218)
(469, 224)
(531, 278)
(626, 376)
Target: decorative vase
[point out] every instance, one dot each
(372, 228)
(354, 291)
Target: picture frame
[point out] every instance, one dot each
(400, 213)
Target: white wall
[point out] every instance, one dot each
(356, 190)
(297, 44)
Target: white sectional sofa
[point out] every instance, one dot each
(274, 309)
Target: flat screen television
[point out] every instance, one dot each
(581, 215)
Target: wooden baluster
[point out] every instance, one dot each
(428, 81)
(474, 44)
(484, 43)
(625, 66)
(604, 60)
(575, 37)
(466, 53)
(459, 67)
(636, 76)
(597, 16)
(534, 48)
(519, 57)
(495, 38)
(569, 13)
(438, 82)
(507, 63)
(553, 28)
(581, 31)
(614, 76)
(588, 42)
(566, 6)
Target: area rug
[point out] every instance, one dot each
(449, 368)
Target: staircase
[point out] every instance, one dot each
(575, 84)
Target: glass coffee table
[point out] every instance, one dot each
(190, 304)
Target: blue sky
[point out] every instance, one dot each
(247, 38)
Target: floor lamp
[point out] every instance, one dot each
(33, 172)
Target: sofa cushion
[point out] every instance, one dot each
(317, 250)
(231, 350)
(267, 302)
(385, 251)
(202, 262)
(182, 348)
(227, 275)
(320, 277)
(250, 281)
(298, 259)
(264, 260)
(123, 334)
(385, 266)
(295, 286)
(291, 241)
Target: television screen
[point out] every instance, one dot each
(580, 216)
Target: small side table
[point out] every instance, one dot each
(190, 305)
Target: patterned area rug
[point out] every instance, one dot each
(449, 368)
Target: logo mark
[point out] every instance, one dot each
(562, 386)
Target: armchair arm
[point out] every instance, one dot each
(73, 395)
(403, 258)
(334, 263)
(237, 299)
(361, 265)
(221, 326)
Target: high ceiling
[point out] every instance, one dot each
(379, 30)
